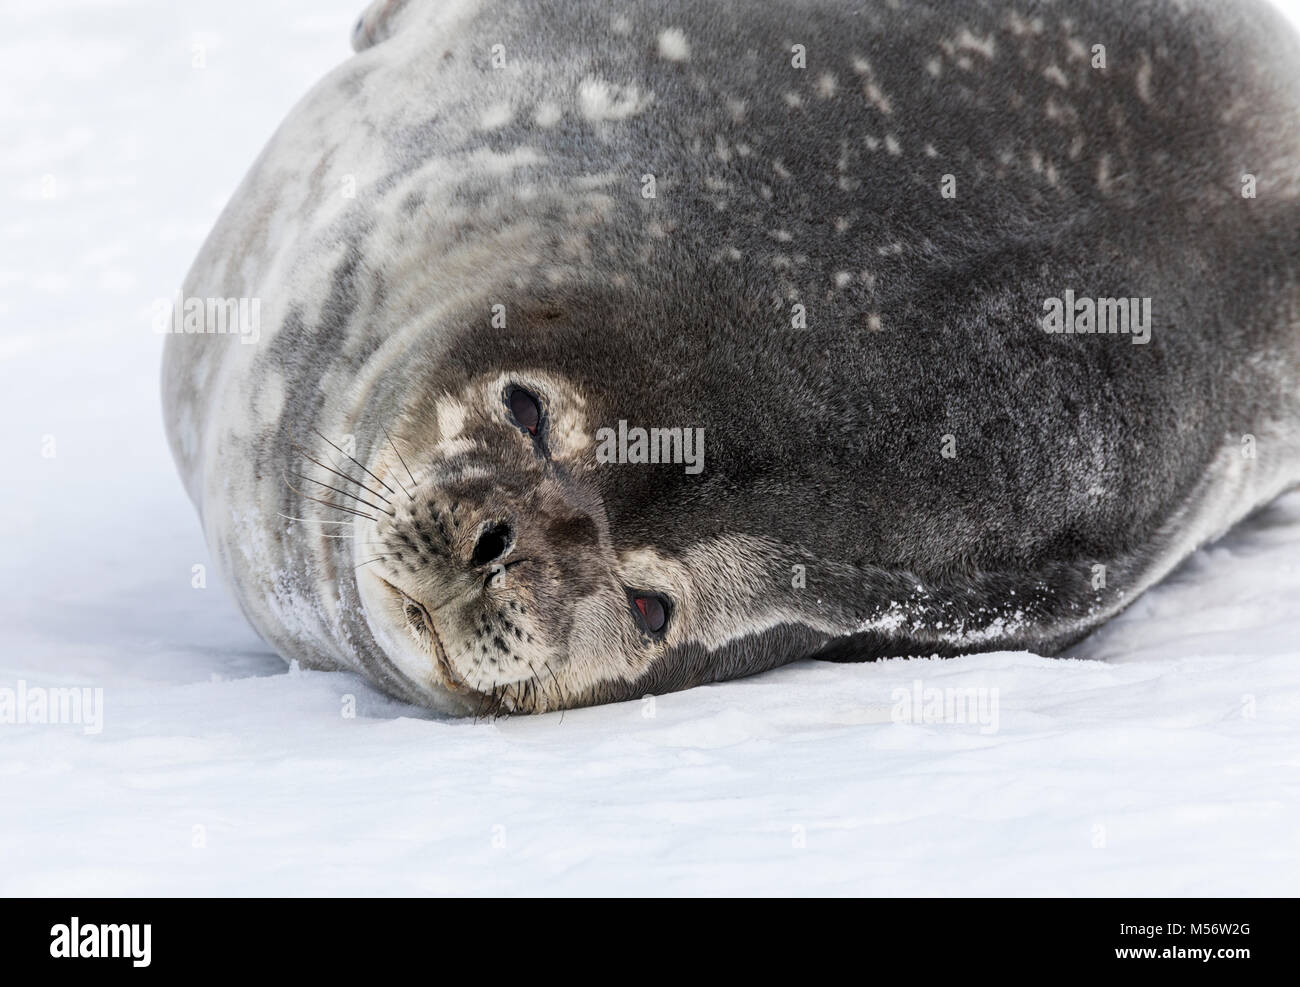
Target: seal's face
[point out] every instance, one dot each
(516, 564)
(493, 570)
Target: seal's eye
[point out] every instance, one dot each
(651, 611)
(525, 409)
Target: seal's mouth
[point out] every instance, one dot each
(425, 631)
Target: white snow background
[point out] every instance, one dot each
(1169, 763)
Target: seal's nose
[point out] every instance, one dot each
(493, 542)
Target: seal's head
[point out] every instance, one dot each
(497, 558)
(561, 531)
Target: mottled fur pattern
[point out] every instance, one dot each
(463, 207)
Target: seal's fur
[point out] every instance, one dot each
(652, 214)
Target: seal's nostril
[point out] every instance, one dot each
(492, 543)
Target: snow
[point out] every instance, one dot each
(1167, 763)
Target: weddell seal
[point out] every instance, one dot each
(607, 350)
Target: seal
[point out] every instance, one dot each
(601, 350)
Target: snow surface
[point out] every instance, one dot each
(1168, 764)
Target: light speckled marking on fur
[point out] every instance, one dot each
(673, 45)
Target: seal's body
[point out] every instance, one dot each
(858, 252)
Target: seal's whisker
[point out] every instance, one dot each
(357, 461)
(499, 708)
(536, 680)
(360, 500)
(345, 493)
(316, 520)
(521, 694)
(564, 699)
(394, 445)
(377, 558)
(488, 706)
(337, 507)
(403, 462)
(350, 479)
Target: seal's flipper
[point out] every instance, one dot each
(376, 23)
